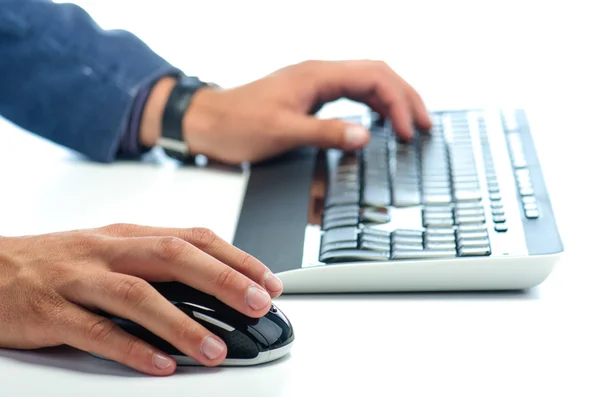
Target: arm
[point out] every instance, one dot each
(64, 78)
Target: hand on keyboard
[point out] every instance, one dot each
(274, 114)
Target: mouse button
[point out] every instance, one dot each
(240, 345)
(275, 329)
(225, 318)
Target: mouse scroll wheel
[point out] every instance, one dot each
(273, 309)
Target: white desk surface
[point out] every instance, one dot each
(433, 344)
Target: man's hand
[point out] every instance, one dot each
(51, 285)
(274, 114)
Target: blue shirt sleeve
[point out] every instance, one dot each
(66, 79)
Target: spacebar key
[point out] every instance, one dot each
(414, 254)
(354, 256)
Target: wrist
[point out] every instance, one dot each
(151, 124)
(200, 119)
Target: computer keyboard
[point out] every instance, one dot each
(461, 207)
(436, 175)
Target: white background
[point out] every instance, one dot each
(541, 55)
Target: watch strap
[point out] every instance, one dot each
(171, 139)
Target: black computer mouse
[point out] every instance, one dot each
(250, 341)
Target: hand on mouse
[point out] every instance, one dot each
(274, 114)
(51, 285)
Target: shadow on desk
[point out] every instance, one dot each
(70, 359)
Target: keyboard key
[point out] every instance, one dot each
(496, 205)
(338, 246)
(470, 178)
(473, 243)
(353, 256)
(427, 213)
(469, 212)
(474, 251)
(532, 214)
(498, 211)
(467, 195)
(340, 222)
(376, 196)
(475, 227)
(403, 198)
(437, 222)
(499, 219)
(341, 234)
(495, 197)
(528, 199)
(437, 199)
(526, 191)
(406, 247)
(466, 186)
(330, 216)
(347, 208)
(468, 205)
(375, 239)
(477, 235)
(501, 227)
(439, 238)
(370, 216)
(375, 232)
(447, 246)
(341, 199)
(444, 184)
(396, 239)
(407, 233)
(368, 245)
(425, 254)
(461, 220)
(440, 231)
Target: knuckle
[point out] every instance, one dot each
(308, 67)
(85, 244)
(132, 291)
(204, 237)
(382, 65)
(186, 331)
(171, 248)
(309, 64)
(225, 278)
(133, 347)
(100, 330)
(246, 262)
(45, 305)
(118, 229)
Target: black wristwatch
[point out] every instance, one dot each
(171, 140)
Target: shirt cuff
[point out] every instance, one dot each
(130, 144)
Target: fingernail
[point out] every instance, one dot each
(257, 298)
(355, 135)
(212, 348)
(160, 361)
(272, 282)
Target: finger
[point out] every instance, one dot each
(207, 241)
(174, 259)
(96, 334)
(359, 80)
(324, 133)
(421, 115)
(402, 119)
(132, 298)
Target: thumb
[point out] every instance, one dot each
(328, 133)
